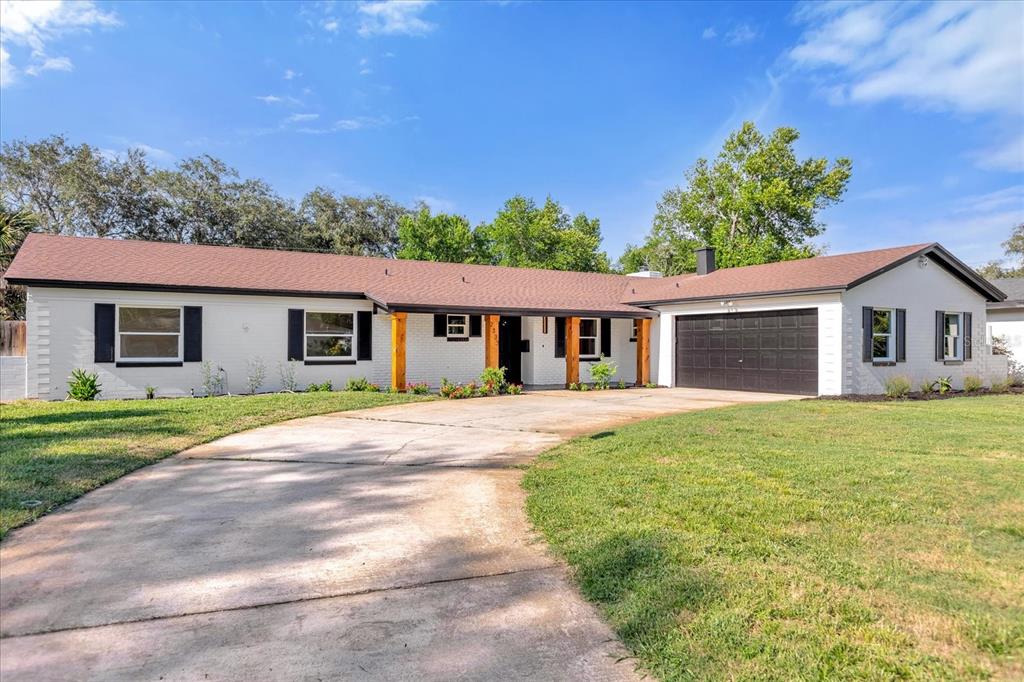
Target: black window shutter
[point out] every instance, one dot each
(967, 336)
(901, 335)
(364, 335)
(103, 332)
(296, 323)
(606, 337)
(440, 325)
(559, 337)
(940, 318)
(475, 325)
(193, 333)
(866, 353)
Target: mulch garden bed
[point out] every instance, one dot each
(917, 395)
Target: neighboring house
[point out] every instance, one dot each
(145, 313)
(1006, 318)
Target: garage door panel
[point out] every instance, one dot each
(765, 351)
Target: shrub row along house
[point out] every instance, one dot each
(143, 313)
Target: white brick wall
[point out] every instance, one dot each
(428, 358)
(921, 291)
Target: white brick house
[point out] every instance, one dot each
(147, 314)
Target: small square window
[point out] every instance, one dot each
(589, 327)
(458, 326)
(329, 335)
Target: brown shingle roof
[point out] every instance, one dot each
(421, 285)
(809, 274)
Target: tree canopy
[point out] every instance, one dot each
(755, 203)
(522, 234)
(1013, 263)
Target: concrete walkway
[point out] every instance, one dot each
(378, 544)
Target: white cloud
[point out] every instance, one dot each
(50, 64)
(888, 192)
(289, 74)
(961, 56)
(1008, 156)
(34, 25)
(709, 33)
(300, 118)
(394, 17)
(278, 99)
(742, 33)
(330, 24)
(437, 205)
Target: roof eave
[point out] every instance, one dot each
(759, 294)
(954, 265)
(185, 288)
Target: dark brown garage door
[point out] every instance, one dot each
(770, 351)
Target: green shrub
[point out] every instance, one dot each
(492, 380)
(150, 392)
(622, 383)
(897, 387)
(574, 387)
(972, 383)
(650, 384)
(320, 388)
(584, 387)
(943, 385)
(602, 371)
(83, 385)
(361, 384)
(421, 388)
(1001, 386)
(515, 389)
(927, 386)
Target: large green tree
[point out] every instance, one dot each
(351, 225)
(756, 202)
(1013, 263)
(437, 237)
(530, 236)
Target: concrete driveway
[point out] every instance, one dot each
(385, 544)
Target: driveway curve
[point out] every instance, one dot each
(377, 544)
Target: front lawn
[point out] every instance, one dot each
(802, 540)
(52, 452)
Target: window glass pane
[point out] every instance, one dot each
(149, 346)
(457, 325)
(953, 324)
(880, 320)
(588, 327)
(950, 346)
(149, 319)
(880, 347)
(338, 323)
(588, 347)
(329, 346)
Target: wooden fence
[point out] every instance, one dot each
(12, 338)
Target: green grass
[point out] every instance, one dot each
(802, 540)
(52, 452)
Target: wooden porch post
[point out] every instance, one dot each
(643, 352)
(398, 351)
(572, 351)
(491, 323)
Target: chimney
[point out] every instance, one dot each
(705, 260)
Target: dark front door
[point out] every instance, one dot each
(510, 356)
(770, 351)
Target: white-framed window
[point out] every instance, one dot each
(883, 334)
(149, 333)
(458, 326)
(590, 328)
(953, 336)
(330, 335)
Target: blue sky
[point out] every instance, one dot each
(603, 106)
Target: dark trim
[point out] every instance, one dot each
(606, 336)
(560, 337)
(126, 363)
(867, 330)
(103, 332)
(940, 335)
(475, 325)
(883, 363)
(968, 334)
(117, 286)
(730, 297)
(329, 362)
(534, 312)
(364, 335)
(441, 325)
(952, 362)
(456, 339)
(192, 336)
(296, 334)
(901, 335)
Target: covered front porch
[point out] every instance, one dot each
(534, 349)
